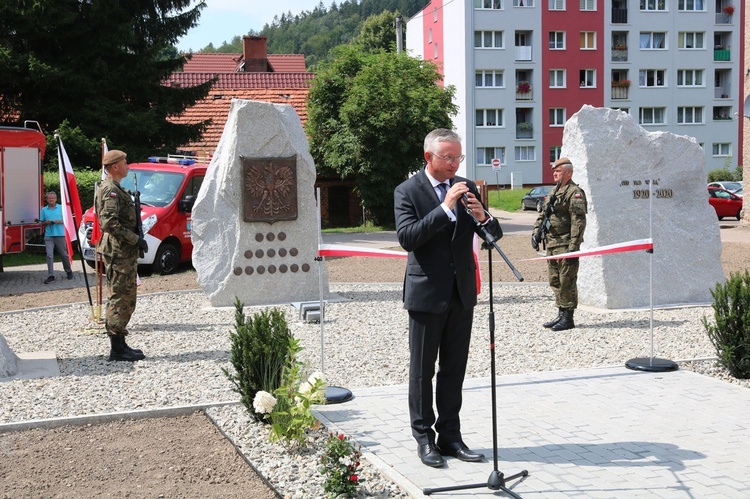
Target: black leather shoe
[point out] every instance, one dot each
(430, 455)
(460, 451)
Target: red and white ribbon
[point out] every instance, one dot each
(636, 245)
(344, 250)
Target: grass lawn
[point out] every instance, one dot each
(507, 199)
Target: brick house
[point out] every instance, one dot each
(257, 75)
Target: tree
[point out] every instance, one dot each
(100, 66)
(378, 33)
(367, 117)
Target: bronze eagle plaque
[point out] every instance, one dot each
(269, 189)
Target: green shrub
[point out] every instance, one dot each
(85, 180)
(292, 416)
(261, 347)
(725, 174)
(730, 334)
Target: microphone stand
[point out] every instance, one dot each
(497, 480)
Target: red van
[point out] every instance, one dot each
(168, 188)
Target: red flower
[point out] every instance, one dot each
(354, 478)
(341, 437)
(357, 463)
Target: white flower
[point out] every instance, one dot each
(314, 377)
(305, 388)
(345, 460)
(264, 402)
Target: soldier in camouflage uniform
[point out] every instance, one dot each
(119, 249)
(567, 224)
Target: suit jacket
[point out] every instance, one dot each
(440, 251)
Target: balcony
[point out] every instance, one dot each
(524, 95)
(619, 16)
(524, 130)
(619, 92)
(722, 18)
(722, 55)
(523, 53)
(620, 54)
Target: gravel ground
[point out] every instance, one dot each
(187, 350)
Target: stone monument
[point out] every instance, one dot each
(255, 220)
(624, 171)
(8, 360)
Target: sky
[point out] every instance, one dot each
(222, 20)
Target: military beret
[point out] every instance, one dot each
(561, 161)
(113, 156)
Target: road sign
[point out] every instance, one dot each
(495, 165)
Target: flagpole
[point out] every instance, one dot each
(64, 178)
(651, 364)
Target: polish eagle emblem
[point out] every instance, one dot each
(271, 187)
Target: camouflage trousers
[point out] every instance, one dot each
(563, 278)
(121, 274)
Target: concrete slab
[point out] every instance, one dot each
(35, 365)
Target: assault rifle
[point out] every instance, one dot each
(540, 236)
(142, 244)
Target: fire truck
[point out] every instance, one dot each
(21, 186)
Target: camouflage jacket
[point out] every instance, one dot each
(568, 222)
(116, 211)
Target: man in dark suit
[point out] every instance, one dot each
(440, 291)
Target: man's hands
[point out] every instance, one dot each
(456, 192)
(535, 241)
(142, 245)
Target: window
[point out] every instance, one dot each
(690, 78)
(653, 40)
(651, 78)
(654, 5)
(489, 117)
(690, 115)
(434, 15)
(556, 40)
(556, 5)
(556, 78)
(588, 78)
(690, 5)
(588, 40)
(523, 3)
(488, 39)
(485, 155)
(651, 116)
(435, 51)
(488, 4)
(721, 149)
(588, 4)
(557, 116)
(429, 35)
(490, 78)
(525, 153)
(554, 153)
(690, 40)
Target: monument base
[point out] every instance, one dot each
(338, 395)
(651, 364)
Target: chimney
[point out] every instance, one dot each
(255, 53)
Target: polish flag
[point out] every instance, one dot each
(476, 263)
(69, 199)
(96, 228)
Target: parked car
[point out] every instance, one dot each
(726, 204)
(729, 186)
(534, 199)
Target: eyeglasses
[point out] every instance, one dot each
(450, 158)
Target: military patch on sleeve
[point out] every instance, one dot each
(577, 195)
(113, 194)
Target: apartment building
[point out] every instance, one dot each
(521, 68)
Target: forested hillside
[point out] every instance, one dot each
(314, 33)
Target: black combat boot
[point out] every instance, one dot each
(120, 351)
(134, 350)
(566, 322)
(555, 320)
